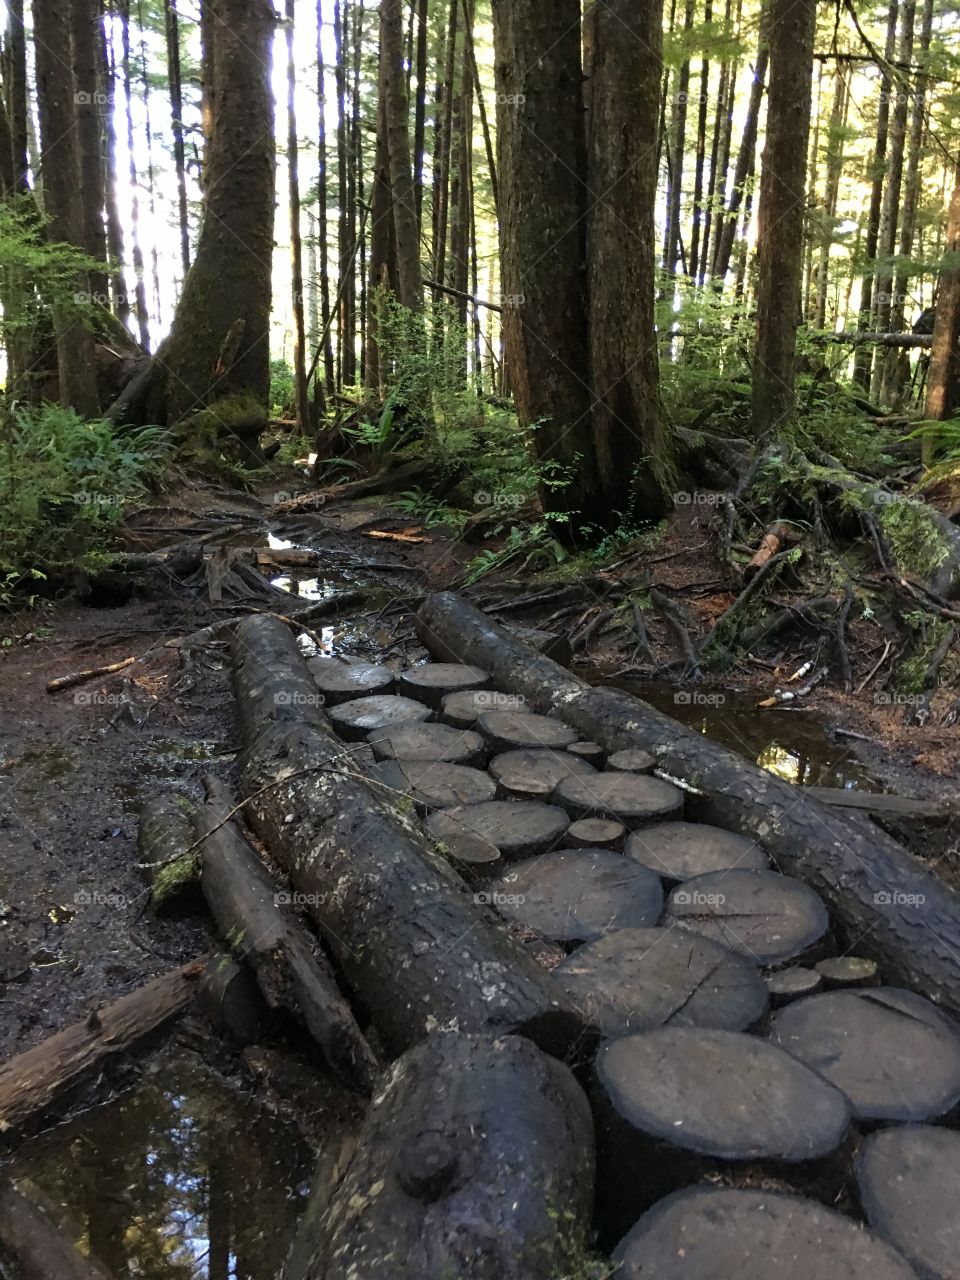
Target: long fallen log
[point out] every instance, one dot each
(476, 1160)
(291, 971)
(39, 1248)
(42, 1077)
(410, 940)
(879, 896)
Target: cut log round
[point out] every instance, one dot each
(675, 1104)
(839, 972)
(475, 1161)
(532, 774)
(355, 720)
(518, 828)
(433, 784)
(477, 860)
(908, 920)
(342, 681)
(592, 752)
(787, 985)
(426, 743)
(753, 1235)
(641, 979)
(228, 994)
(432, 681)
(908, 1179)
(894, 1055)
(632, 760)
(765, 916)
(631, 798)
(577, 895)
(679, 851)
(408, 939)
(519, 731)
(463, 710)
(596, 833)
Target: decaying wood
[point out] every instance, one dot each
(291, 971)
(475, 1161)
(407, 936)
(82, 677)
(885, 804)
(40, 1249)
(906, 919)
(42, 1077)
(771, 543)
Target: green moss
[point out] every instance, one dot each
(911, 677)
(173, 881)
(916, 542)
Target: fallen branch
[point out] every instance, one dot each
(82, 677)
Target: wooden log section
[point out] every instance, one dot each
(530, 775)
(432, 681)
(787, 985)
(39, 1248)
(907, 1180)
(433, 784)
(355, 720)
(630, 798)
(753, 1235)
(680, 851)
(890, 1051)
(632, 760)
(592, 752)
(841, 972)
(879, 896)
(291, 970)
(577, 895)
(462, 710)
(340, 680)
(680, 1103)
(764, 916)
(518, 828)
(165, 859)
(640, 979)
(520, 731)
(475, 1161)
(428, 742)
(596, 833)
(403, 928)
(48, 1075)
(228, 994)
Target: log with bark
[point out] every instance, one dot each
(291, 970)
(879, 896)
(406, 934)
(39, 1248)
(44, 1077)
(475, 1161)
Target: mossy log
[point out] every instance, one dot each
(167, 860)
(879, 896)
(404, 930)
(475, 1161)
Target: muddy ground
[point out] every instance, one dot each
(76, 767)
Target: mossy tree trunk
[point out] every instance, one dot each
(218, 350)
(943, 385)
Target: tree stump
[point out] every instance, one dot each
(679, 851)
(428, 743)
(843, 972)
(753, 1235)
(518, 828)
(578, 895)
(356, 719)
(787, 985)
(464, 709)
(632, 760)
(342, 681)
(534, 774)
(907, 1180)
(518, 731)
(596, 833)
(433, 784)
(678, 1103)
(640, 979)
(592, 752)
(631, 798)
(432, 681)
(765, 916)
(894, 1055)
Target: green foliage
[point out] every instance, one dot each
(525, 549)
(283, 395)
(430, 511)
(386, 436)
(63, 485)
(916, 542)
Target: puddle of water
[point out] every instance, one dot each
(312, 589)
(797, 746)
(175, 749)
(177, 1180)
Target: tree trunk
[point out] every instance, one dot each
(409, 275)
(63, 197)
(838, 119)
(296, 242)
(219, 343)
(701, 156)
(943, 379)
(322, 216)
(108, 79)
(90, 113)
(632, 446)
(172, 27)
(136, 253)
(678, 130)
(420, 113)
(543, 207)
(781, 212)
(383, 240)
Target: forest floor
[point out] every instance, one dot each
(76, 767)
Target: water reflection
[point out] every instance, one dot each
(177, 1180)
